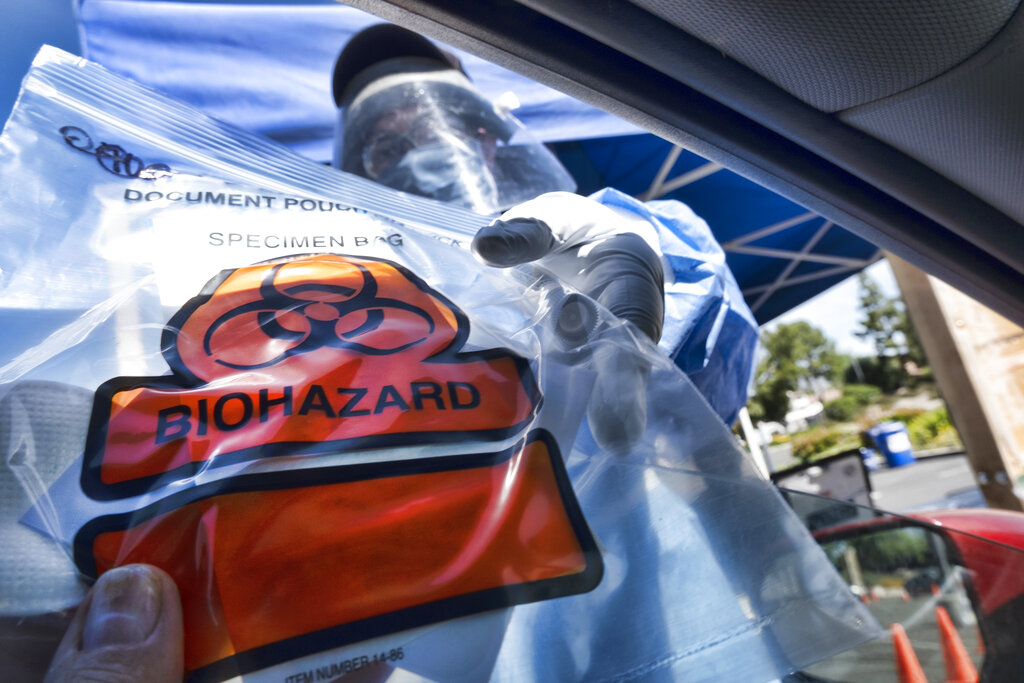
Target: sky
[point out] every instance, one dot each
(836, 311)
(28, 24)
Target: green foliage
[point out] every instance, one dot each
(885, 373)
(904, 416)
(927, 429)
(807, 445)
(894, 549)
(842, 409)
(855, 397)
(796, 355)
(823, 441)
(886, 324)
(862, 394)
(932, 429)
(771, 400)
(925, 378)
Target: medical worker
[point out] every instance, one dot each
(410, 118)
(414, 122)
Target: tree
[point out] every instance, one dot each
(887, 551)
(886, 324)
(797, 356)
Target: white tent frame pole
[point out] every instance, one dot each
(753, 438)
(655, 189)
(659, 187)
(689, 177)
(770, 230)
(825, 227)
(801, 256)
(800, 279)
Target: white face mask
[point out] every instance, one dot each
(453, 173)
(432, 134)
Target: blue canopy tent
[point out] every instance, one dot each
(266, 67)
(780, 253)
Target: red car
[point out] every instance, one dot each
(968, 562)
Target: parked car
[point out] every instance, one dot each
(967, 562)
(900, 121)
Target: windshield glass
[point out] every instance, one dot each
(951, 603)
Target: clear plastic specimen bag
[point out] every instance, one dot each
(353, 446)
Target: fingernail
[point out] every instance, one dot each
(124, 608)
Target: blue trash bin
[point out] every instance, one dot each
(871, 460)
(893, 443)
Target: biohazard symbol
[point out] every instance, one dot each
(310, 316)
(298, 357)
(309, 360)
(313, 359)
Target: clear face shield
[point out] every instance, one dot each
(431, 134)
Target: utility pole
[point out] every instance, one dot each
(977, 357)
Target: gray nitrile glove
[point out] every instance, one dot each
(609, 255)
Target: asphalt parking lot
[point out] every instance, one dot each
(930, 482)
(945, 481)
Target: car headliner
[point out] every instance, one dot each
(901, 121)
(898, 121)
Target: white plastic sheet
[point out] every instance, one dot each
(125, 214)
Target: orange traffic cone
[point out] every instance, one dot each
(959, 667)
(908, 668)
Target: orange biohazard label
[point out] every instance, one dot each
(307, 356)
(319, 564)
(319, 355)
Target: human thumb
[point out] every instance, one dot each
(128, 628)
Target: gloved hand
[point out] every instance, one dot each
(611, 256)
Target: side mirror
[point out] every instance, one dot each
(953, 602)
